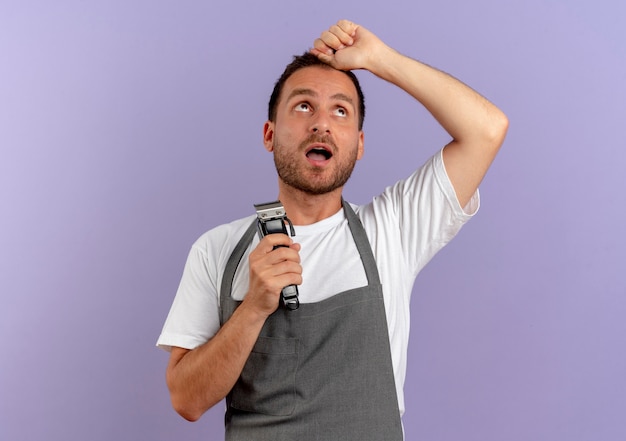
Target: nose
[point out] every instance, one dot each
(320, 123)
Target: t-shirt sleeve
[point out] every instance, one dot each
(194, 316)
(421, 214)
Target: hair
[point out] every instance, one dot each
(306, 60)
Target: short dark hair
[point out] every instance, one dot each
(306, 60)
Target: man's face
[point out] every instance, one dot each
(315, 136)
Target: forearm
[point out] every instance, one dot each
(476, 126)
(200, 378)
(461, 111)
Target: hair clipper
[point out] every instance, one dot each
(272, 218)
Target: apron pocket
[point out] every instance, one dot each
(267, 382)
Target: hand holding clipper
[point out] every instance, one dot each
(272, 218)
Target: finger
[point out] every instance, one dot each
(344, 36)
(286, 268)
(348, 27)
(263, 257)
(326, 58)
(333, 38)
(275, 277)
(320, 49)
(269, 242)
(272, 277)
(289, 279)
(295, 246)
(282, 254)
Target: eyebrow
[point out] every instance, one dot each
(312, 93)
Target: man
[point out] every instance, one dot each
(334, 368)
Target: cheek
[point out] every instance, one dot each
(286, 136)
(350, 138)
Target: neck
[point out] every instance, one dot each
(306, 209)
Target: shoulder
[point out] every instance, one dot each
(223, 237)
(427, 189)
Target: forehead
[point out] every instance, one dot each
(320, 81)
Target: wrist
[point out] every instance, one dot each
(252, 313)
(382, 61)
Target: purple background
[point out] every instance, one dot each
(129, 128)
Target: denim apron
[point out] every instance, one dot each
(322, 372)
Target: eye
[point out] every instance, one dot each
(302, 107)
(340, 111)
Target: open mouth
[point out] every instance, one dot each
(319, 154)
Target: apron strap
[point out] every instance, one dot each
(362, 244)
(231, 268)
(358, 234)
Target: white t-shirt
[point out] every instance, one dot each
(406, 225)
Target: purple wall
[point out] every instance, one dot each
(129, 128)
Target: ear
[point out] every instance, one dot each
(268, 136)
(360, 149)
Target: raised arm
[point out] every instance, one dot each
(476, 126)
